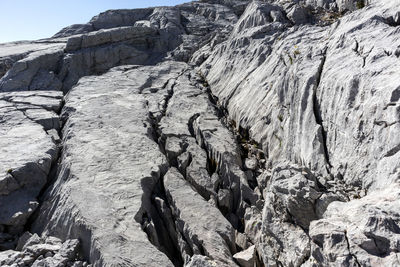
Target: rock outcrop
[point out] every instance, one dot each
(34, 251)
(212, 133)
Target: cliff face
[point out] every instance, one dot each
(213, 133)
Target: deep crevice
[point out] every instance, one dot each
(52, 175)
(348, 249)
(317, 108)
(161, 217)
(244, 142)
(165, 235)
(391, 21)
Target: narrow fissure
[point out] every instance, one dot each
(348, 248)
(317, 108)
(244, 142)
(157, 224)
(163, 234)
(52, 176)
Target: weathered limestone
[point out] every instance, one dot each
(23, 73)
(109, 167)
(365, 231)
(277, 145)
(206, 230)
(27, 153)
(38, 251)
(246, 257)
(325, 95)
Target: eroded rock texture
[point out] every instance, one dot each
(213, 133)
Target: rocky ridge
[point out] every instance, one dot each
(213, 133)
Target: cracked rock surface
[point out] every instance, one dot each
(212, 133)
(28, 148)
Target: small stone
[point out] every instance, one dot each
(213, 200)
(54, 136)
(173, 148)
(183, 161)
(42, 249)
(246, 258)
(51, 240)
(241, 240)
(77, 264)
(251, 163)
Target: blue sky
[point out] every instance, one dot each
(35, 19)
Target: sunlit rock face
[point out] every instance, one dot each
(212, 133)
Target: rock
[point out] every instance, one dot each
(323, 202)
(33, 240)
(241, 241)
(289, 208)
(298, 15)
(106, 36)
(262, 180)
(73, 30)
(118, 18)
(23, 72)
(27, 152)
(223, 150)
(183, 161)
(56, 241)
(251, 163)
(25, 237)
(246, 257)
(279, 136)
(122, 178)
(359, 231)
(173, 148)
(9, 257)
(201, 261)
(69, 249)
(207, 224)
(41, 251)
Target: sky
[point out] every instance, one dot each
(36, 19)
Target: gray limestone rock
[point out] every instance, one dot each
(246, 258)
(206, 230)
(42, 251)
(279, 138)
(359, 231)
(27, 152)
(31, 71)
(104, 140)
